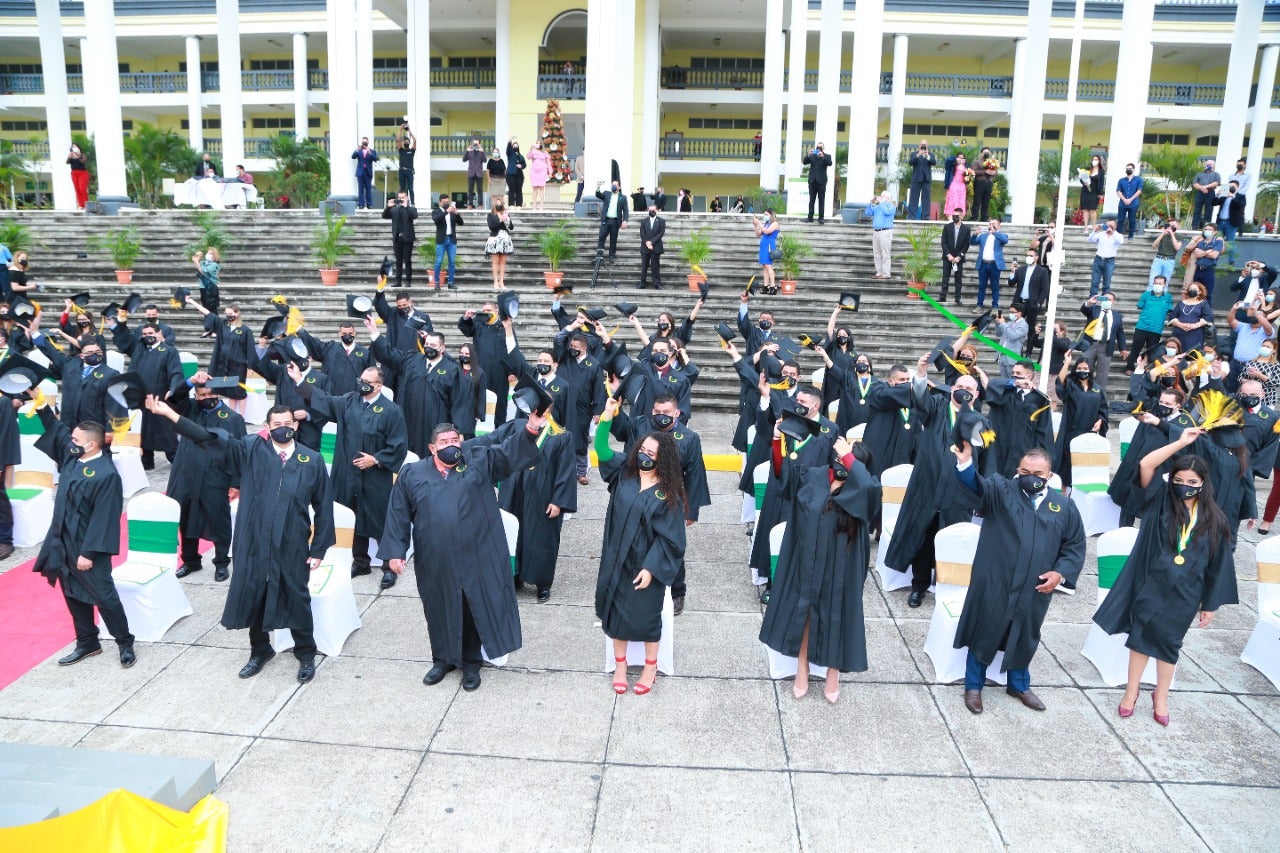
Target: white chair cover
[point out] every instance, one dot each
(485, 425)
(115, 360)
(1128, 427)
(748, 501)
(510, 527)
(1106, 651)
(128, 462)
(1262, 652)
(333, 605)
(1055, 418)
(1090, 477)
(34, 481)
(256, 401)
(893, 486)
(958, 544)
(856, 432)
(153, 598)
(666, 645)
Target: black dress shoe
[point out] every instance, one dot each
(360, 571)
(437, 673)
(677, 604)
(255, 664)
(544, 595)
(388, 579)
(185, 570)
(221, 573)
(306, 670)
(916, 598)
(765, 592)
(6, 550)
(79, 654)
(519, 583)
(471, 680)
(127, 657)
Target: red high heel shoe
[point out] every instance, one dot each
(641, 689)
(620, 687)
(1162, 719)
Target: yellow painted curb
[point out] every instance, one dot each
(714, 461)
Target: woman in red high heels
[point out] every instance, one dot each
(1181, 569)
(643, 544)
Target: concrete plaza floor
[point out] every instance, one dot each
(544, 756)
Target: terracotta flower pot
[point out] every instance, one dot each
(696, 282)
(553, 279)
(913, 286)
(787, 286)
(124, 276)
(329, 278)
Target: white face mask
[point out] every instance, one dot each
(1031, 260)
(1266, 352)
(1158, 289)
(1170, 352)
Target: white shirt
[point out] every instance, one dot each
(1108, 244)
(989, 249)
(288, 450)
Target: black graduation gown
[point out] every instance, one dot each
(1016, 432)
(842, 359)
(1018, 543)
(549, 479)
(1154, 599)
(10, 436)
(565, 322)
(427, 394)
(641, 531)
(1235, 495)
(233, 349)
(688, 443)
(1081, 409)
(587, 380)
(311, 427)
(1124, 490)
(86, 519)
(377, 430)
(748, 401)
(564, 400)
(852, 391)
(459, 545)
(820, 572)
(470, 408)
(893, 425)
(83, 396)
(649, 383)
(1261, 438)
(398, 334)
(161, 372)
(203, 471)
(489, 353)
(275, 533)
(343, 368)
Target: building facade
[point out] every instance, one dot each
(717, 96)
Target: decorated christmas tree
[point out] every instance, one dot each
(554, 144)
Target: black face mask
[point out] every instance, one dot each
(1160, 410)
(664, 326)
(464, 359)
(364, 388)
(282, 434)
(148, 339)
(661, 358)
(1249, 401)
(208, 403)
(449, 456)
(842, 340)
(1167, 381)
(862, 367)
(645, 462)
(575, 353)
(962, 396)
(840, 472)
(663, 421)
(800, 409)
(431, 353)
(75, 450)
(1082, 375)
(766, 325)
(1183, 492)
(93, 360)
(955, 219)
(544, 369)
(406, 311)
(348, 339)
(1128, 171)
(1031, 484)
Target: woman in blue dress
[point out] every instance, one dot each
(767, 230)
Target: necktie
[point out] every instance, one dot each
(283, 457)
(368, 405)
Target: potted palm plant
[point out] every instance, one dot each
(695, 250)
(427, 256)
(330, 245)
(793, 251)
(122, 246)
(558, 246)
(921, 264)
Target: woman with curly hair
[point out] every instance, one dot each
(643, 544)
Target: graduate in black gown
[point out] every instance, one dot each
(851, 385)
(273, 364)
(446, 506)
(84, 534)
(1084, 409)
(83, 377)
(892, 422)
(748, 394)
(1260, 422)
(232, 347)
(815, 613)
(429, 383)
(161, 370)
(585, 374)
(342, 360)
(1181, 569)
(1020, 415)
(1226, 453)
(660, 372)
(643, 546)
(404, 323)
(283, 529)
(1150, 435)
(488, 353)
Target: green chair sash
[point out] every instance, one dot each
(153, 537)
(1109, 566)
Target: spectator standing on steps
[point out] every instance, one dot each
(1154, 306)
(407, 147)
(1129, 191)
(990, 264)
(402, 213)
(474, 158)
(1204, 190)
(767, 231)
(1167, 246)
(922, 163)
(818, 161)
(955, 245)
(539, 172)
(1231, 217)
(652, 229)
(365, 157)
(580, 173)
(1205, 248)
(1092, 187)
(882, 211)
(1108, 240)
(79, 164)
(613, 217)
(984, 181)
(499, 244)
(497, 170)
(447, 219)
(515, 174)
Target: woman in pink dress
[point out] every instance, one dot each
(956, 184)
(539, 171)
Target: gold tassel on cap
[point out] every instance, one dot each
(1040, 411)
(1214, 409)
(119, 426)
(294, 322)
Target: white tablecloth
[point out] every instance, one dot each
(215, 194)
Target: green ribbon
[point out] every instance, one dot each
(30, 426)
(1090, 487)
(1109, 566)
(153, 537)
(759, 491)
(963, 324)
(1124, 448)
(328, 443)
(23, 493)
(773, 567)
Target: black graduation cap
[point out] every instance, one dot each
(797, 426)
(385, 269)
(563, 290)
(788, 350)
(809, 342)
(1231, 437)
(416, 322)
(726, 332)
(769, 365)
(359, 306)
(80, 300)
(626, 309)
(18, 373)
(595, 314)
(751, 283)
(128, 391)
(971, 428)
(112, 309)
(180, 295)
(133, 303)
(940, 356)
(704, 288)
(619, 364)
(282, 305)
(508, 305)
(224, 386)
(530, 396)
(274, 327)
(295, 348)
(981, 322)
(1125, 407)
(850, 300)
(22, 309)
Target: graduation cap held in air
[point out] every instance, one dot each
(224, 386)
(981, 322)
(359, 306)
(726, 332)
(112, 309)
(416, 322)
(563, 290)
(18, 374)
(180, 295)
(133, 303)
(529, 396)
(295, 348)
(508, 305)
(22, 309)
(972, 428)
(619, 364)
(385, 269)
(809, 342)
(127, 391)
(850, 301)
(797, 426)
(593, 314)
(704, 289)
(626, 309)
(80, 300)
(788, 349)
(273, 328)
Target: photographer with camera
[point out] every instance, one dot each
(922, 163)
(818, 162)
(402, 213)
(474, 158)
(79, 164)
(406, 146)
(1108, 241)
(1167, 246)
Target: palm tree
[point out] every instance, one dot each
(1050, 173)
(85, 141)
(1175, 171)
(153, 155)
(13, 168)
(294, 155)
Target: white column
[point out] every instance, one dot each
(864, 118)
(775, 48)
(301, 83)
(419, 33)
(830, 45)
(229, 82)
(1262, 106)
(797, 43)
(1235, 102)
(86, 58)
(344, 136)
(1026, 116)
(1129, 122)
(57, 115)
(604, 98)
(103, 91)
(651, 107)
(624, 51)
(195, 112)
(897, 109)
(502, 77)
(364, 72)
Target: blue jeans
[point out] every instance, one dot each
(975, 676)
(1129, 212)
(448, 245)
(1161, 266)
(1103, 269)
(988, 276)
(364, 191)
(1228, 232)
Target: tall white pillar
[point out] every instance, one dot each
(86, 60)
(771, 115)
(651, 105)
(1026, 116)
(1262, 106)
(1235, 102)
(610, 99)
(301, 83)
(344, 135)
(830, 45)
(103, 91)
(864, 118)
(57, 115)
(229, 83)
(897, 109)
(419, 36)
(1129, 122)
(502, 77)
(195, 111)
(625, 53)
(364, 72)
(797, 44)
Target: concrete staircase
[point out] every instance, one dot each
(40, 782)
(269, 254)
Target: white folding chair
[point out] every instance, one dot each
(32, 494)
(817, 377)
(484, 426)
(958, 543)
(153, 598)
(833, 411)
(1055, 419)
(131, 437)
(1262, 652)
(511, 529)
(1128, 427)
(856, 432)
(893, 488)
(333, 605)
(116, 360)
(1106, 651)
(190, 364)
(1090, 478)
(666, 645)
(128, 462)
(257, 403)
(328, 443)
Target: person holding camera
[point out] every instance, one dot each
(447, 219)
(208, 266)
(515, 174)
(406, 146)
(474, 158)
(365, 157)
(1231, 217)
(79, 164)
(1129, 191)
(1108, 241)
(882, 209)
(613, 217)
(990, 264)
(1251, 327)
(1167, 246)
(402, 213)
(922, 163)
(984, 181)
(818, 162)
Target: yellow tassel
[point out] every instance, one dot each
(988, 436)
(556, 429)
(1215, 409)
(279, 299)
(1040, 411)
(615, 330)
(38, 403)
(962, 369)
(698, 270)
(120, 426)
(175, 303)
(1276, 428)
(779, 386)
(382, 283)
(294, 322)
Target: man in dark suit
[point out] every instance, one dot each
(818, 162)
(955, 244)
(402, 214)
(922, 163)
(365, 157)
(1030, 284)
(1104, 338)
(447, 219)
(613, 217)
(652, 229)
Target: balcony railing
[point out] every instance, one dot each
(1055, 89)
(463, 78)
(708, 149)
(566, 87)
(390, 78)
(970, 85)
(21, 84)
(31, 149)
(882, 154)
(1186, 94)
(454, 146)
(676, 77)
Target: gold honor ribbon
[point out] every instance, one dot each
(1184, 535)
